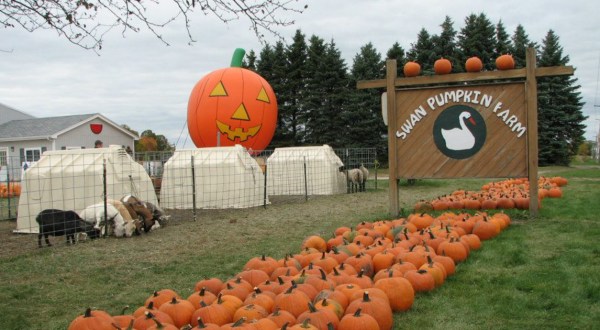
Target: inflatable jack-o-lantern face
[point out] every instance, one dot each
(232, 106)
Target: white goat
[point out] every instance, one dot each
(94, 214)
(355, 178)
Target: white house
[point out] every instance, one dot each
(23, 138)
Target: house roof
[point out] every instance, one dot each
(49, 127)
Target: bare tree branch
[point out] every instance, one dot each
(85, 22)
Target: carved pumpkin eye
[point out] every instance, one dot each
(262, 96)
(219, 90)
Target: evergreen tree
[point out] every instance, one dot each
(314, 91)
(520, 43)
(333, 77)
(478, 38)
(502, 40)
(272, 67)
(444, 45)
(422, 52)
(249, 61)
(560, 119)
(396, 52)
(294, 91)
(363, 118)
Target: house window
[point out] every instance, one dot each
(33, 154)
(3, 156)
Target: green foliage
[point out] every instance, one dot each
(478, 38)
(560, 128)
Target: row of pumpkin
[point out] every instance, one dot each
(506, 194)
(355, 280)
(10, 190)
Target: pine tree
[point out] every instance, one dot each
(560, 119)
(333, 77)
(502, 40)
(396, 52)
(314, 91)
(363, 118)
(422, 52)
(295, 90)
(520, 43)
(444, 45)
(249, 61)
(272, 67)
(478, 38)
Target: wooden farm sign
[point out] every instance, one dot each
(461, 132)
(462, 126)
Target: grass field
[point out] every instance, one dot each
(540, 273)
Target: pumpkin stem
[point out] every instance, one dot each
(88, 312)
(311, 307)
(366, 296)
(357, 313)
(239, 322)
(238, 56)
(124, 309)
(201, 324)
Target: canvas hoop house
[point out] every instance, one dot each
(224, 177)
(286, 171)
(73, 180)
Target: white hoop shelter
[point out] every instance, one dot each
(73, 180)
(224, 177)
(286, 169)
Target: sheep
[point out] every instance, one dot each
(94, 214)
(365, 173)
(59, 222)
(355, 177)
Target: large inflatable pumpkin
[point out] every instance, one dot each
(232, 106)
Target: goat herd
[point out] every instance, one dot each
(124, 218)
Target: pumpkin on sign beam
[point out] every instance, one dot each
(232, 106)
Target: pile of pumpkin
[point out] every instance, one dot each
(10, 190)
(506, 194)
(355, 280)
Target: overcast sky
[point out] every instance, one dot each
(138, 81)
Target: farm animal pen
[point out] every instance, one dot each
(319, 175)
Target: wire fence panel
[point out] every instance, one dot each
(97, 184)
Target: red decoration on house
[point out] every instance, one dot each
(96, 128)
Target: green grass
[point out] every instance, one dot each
(538, 274)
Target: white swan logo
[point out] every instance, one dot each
(459, 132)
(460, 138)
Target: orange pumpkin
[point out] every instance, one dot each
(412, 69)
(505, 62)
(233, 105)
(473, 64)
(442, 66)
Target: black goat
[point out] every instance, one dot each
(59, 222)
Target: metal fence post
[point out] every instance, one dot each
(193, 189)
(104, 198)
(265, 189)
(9, 195)
(305, 182)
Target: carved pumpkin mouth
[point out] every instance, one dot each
(238, 132)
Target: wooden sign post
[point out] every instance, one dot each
(464, 125)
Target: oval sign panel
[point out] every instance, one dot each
(459, 132)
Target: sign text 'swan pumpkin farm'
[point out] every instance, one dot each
(464, 131)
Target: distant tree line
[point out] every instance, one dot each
(319, 103)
